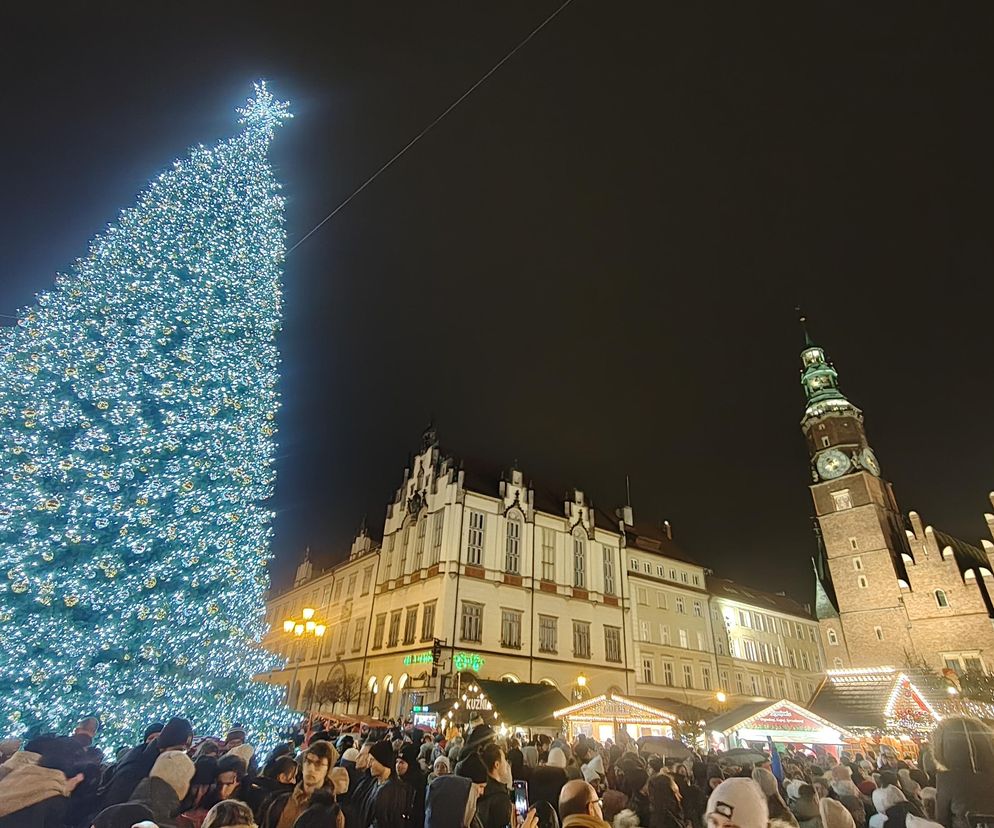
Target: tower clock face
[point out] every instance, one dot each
(869, 461)
(831, 464)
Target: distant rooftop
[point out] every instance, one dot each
(724, 588)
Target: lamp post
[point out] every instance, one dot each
(306, 626)
(580, 688)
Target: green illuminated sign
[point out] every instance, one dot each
(467, 661)
(419, 658)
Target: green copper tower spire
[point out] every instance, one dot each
(820, 381)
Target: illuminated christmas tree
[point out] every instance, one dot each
(137, 422)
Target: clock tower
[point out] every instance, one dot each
(863, 549)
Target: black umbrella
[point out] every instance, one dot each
(664, 746)
(743, 756)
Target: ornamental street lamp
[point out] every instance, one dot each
(306, 626)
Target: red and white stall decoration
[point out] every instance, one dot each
(782, 721)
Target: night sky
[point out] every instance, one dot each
(591, 265)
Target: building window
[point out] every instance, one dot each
(388, 555)
(683, 577)
(688, 676)
(792, 657)
(842, 500)
(825, 442)
(700, 642)
(357, 634)
(367, 579)
(661, 571)
(419, 543)
(512, 546)
(739, 688)
(647, 673)
(668, 673)
(338, 590)
(581, 639)
(381, 623)
(697, 580)
(579, 559)
(661, 600)
(437, 525)
(680, 606)
(672, 574)
(548, 554)
(472, 621)
(612, 644)
(642, 595)
(510, 629)
(879, 633)
(698, 609)
(683, 639)
(394, 637)
(547, 634)
(743, 618)
(633, 564)
(608, 570)
(861, 581)
(706, 677)
(940, 599)
(428, 622)
(664, 634)
(811, 634)
(477, 533)
(647, 568)
(769, 687)
(410, 624)
(644, 631)
(805, 661)
(853, 543)
(755, 685)
(857, 564)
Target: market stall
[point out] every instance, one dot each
(604, 717)
(504, 705)
(786, 723)
(883, 706)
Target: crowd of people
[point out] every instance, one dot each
(406, 777)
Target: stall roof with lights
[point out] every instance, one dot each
(522, 704)
(781, 720)
(611, 707)
(882, 699)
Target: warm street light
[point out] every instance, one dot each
(298, 628)
(721, 697)
(581, 680)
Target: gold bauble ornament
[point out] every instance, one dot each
(19, 587)
(71, 600)
(187, 486)
(150, 582)
(103, 405)
(213, 608)
(47, 555)
(142, 612)
(160, 614)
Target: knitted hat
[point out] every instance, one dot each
(176, 768)
(350, 755)
(122, 816)
(243, 752)
(557, 758)
(472, 767)
(176, 732)
(409, 753)
(884, 798)
(382, 752)
(741, 802)
(339, 778)
(152, 730)
(594, 769)
(834, 814)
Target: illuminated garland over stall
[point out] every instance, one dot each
(137, 407)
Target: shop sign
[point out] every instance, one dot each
(479, 704)
(785, 720)
(466, 661)
(418, 658)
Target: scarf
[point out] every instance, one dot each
(29, 785)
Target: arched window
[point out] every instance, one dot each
(833, 639)
(579, 558)
(940, 599)
(510, 678)
(512, 546)
(547, 682)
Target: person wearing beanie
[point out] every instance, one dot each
(176, 734)
(389, 802)
(834, 814)
(473, 768)
(440, 767)
(557, 758)
(737, 803)
(124, 815)
(323, 812)
(409, 771)
(316, 763)
(38, 793)
(884, 798)
(165, 787)
(547, 782)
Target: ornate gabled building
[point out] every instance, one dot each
(888, 591)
